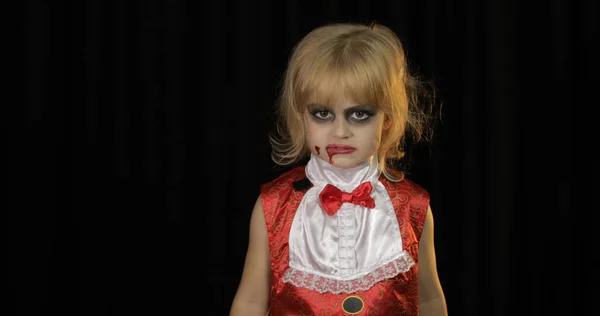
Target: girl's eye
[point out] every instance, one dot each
(322, 114)
(360, 115)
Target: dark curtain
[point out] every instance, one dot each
(145, 143)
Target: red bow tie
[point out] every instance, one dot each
(331, 197)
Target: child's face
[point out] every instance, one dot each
(345, 133)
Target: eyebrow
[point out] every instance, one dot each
(357, 107)
(348, 111)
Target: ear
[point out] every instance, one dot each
(387, 123)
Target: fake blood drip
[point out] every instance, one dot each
(330, 154)
(318, 150)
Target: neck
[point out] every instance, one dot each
(321, 172)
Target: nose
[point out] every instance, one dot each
(341, 129)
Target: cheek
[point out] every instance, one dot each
(312, 134)
(373, 137)
(374, 130)
(376, 140)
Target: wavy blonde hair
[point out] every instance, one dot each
(365, 64)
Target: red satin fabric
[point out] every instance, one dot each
(395, 296)
(331, 197)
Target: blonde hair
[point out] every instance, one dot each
(366, 64)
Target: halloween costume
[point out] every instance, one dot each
(343, 241)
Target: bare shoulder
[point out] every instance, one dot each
(257, 221)
(252, 296)
(431, 295)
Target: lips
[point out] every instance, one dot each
(340, 149)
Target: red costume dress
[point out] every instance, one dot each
(391, 288)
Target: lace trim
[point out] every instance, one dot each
(323, 284)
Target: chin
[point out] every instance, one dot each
(345, 162)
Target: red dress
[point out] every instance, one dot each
(395, 296)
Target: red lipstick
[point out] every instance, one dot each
(340, 149)
(335, 149)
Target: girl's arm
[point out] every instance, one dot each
(431, 297)
(252, 296)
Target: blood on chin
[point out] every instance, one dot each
(329, 155)
(334, 159)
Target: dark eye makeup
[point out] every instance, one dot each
(356, 114)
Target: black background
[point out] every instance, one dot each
(146, 143)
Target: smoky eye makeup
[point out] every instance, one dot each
(360, 114)
(320, 113)
(354, 114)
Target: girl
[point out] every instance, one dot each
(344, 233)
